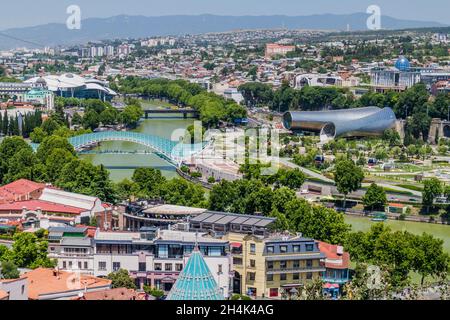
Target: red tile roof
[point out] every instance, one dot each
(45, 206)
(19, 188)
(3, 295)
(112, 294)
(396, 205)
(334, 260)
(47, 281)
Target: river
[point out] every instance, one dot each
(163, 127)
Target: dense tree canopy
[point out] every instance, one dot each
(296, 215)
(121, 279)
(348, 176)
(375, 197)
(28, 251)
(212, 108)
(401, 252)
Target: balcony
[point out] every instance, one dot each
(336, 281)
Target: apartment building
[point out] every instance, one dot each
(13, 289)
(156, 257)
(264, 264)
(272, 266)
(72, 248)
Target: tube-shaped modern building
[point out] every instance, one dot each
(359, 122)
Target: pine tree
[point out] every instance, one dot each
(5, 124)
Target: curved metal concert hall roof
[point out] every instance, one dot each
(359, 122)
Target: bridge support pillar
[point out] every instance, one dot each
(436, 131)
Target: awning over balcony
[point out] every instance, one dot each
(236, 245)
(331, 286)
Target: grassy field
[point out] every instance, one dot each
(411, 187)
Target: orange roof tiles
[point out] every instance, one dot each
(48, 281)
(45, 206)
(112, 294)
(334, 260)
(4, 295)
(19, 188)
(396, 205)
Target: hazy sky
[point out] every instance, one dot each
(20, 13)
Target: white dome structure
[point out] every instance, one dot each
(70, 85)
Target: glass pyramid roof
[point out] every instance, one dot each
(195, 282)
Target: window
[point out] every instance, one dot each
(251, 276)
(296, 248)
(296, 264)
(64, 264)
(80, 265)
(270, 249)
(163, 251)
(274, 293)
(102, 265)
(158, 267)
(283, 264)
(252, 248)
(116, 266)
(270, 277)
(85, 265)
(168, 267)
(309, 247)
(283, 249)
(296, 276)
(309, 276)
(214, 251)
(252, 263)
(309, 264)
(220, 269)
(270, 265)
(70, 264)
(142, 267)
(237, 261)
(283, 277)
(179, 267)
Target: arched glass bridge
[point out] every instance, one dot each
(171, 151)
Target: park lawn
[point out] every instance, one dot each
(411, 187)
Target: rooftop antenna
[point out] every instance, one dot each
(196, 248)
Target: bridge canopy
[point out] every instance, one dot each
(172, 151)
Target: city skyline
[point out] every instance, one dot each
(48, 12)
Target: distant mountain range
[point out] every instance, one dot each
(123, 26)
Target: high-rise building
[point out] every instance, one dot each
(93, 52)
(108, 50)
(100, 52)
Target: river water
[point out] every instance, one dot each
(164, 127)
(161, 126)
